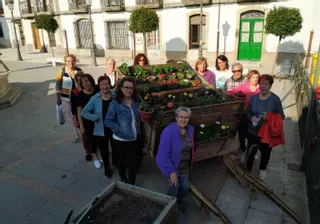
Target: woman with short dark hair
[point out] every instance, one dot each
(88, 89)
(123, 119)
(96, 111)
(259, 107)
(222, 71)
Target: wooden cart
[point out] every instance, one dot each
(226, 113)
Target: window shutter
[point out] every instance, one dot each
(76, 34)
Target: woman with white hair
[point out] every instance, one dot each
(175, 155)
(111, 72)
(237, 77)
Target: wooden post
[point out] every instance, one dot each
(307, 62)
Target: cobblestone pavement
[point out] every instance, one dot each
(43, 174)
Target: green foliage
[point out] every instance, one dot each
(124, 68)
(145, 106)
(141, 73)
(143, 20)
(46, 22)
(283, 22)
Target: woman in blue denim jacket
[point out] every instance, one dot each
(96, 111)
(123, 119)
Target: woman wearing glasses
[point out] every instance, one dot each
(175, 155)
(237, 78)
(123, 119)
(141, 60)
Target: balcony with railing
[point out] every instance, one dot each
(27, 9)
(197, 2)
(41, 5)
(149, 3)
(77, 5)
(112, 5)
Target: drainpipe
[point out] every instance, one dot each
(201, 24)
(218, 28)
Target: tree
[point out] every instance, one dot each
(47, 23)
(283, 22)
(143, 20)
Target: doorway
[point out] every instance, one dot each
(36, 36)
(251, 36)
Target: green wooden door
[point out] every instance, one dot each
(250, 39)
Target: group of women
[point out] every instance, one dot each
(176, 149)
(103, 116)
(108, 115)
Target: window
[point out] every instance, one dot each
(153, 40)
(194, 30)
(82, 34)
(117, 35)
(52, 40)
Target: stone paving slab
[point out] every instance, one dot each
(255, 216)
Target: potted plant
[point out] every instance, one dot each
(145, 111)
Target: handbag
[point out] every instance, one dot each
(60, 118)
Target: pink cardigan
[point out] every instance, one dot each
(244, 89)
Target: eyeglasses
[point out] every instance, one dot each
(128, 88)
(183, 118)
(234, 71)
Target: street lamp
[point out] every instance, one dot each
(94, 61)
(11, 7)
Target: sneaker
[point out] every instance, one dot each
(97, 164)
(88, 157)
(257, 156)
(108, 173)
(263, 174)
(76, 139)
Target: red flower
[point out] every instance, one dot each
(162, 75)
(170, 104)
(172, 82)
(196, 83)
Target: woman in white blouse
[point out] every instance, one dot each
(111, 72)
(222, 71)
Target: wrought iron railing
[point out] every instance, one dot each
(112, 3)
(27, 8)
(147, 2)
(41, 5)
(77, 4)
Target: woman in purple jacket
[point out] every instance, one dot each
(175, 155)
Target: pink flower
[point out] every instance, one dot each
(206, 92)
(170, 104)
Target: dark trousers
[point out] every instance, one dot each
(88, 142)
(264, 149)
(103, 145)
(127, 160)
(109, 133)
(243, 131)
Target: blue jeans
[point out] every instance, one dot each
(182, 188)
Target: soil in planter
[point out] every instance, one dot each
(122, 207)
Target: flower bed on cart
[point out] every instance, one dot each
(163, 88)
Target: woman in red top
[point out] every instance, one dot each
(248, 89)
